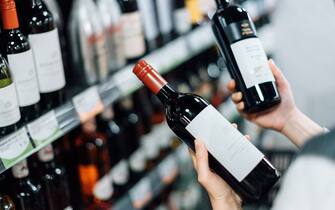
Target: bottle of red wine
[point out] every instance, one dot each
(26, 193)
(150, 25)
(245, 57)
(44, 40)
(9, 106)
(133, 37)
(231, 156)
(21, 61)
(54, 180)
(165, 20)
(181, 17)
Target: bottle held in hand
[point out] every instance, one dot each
(231, 156)
(245, 57)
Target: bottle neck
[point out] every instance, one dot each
(222, 3)
(9, 15)
(166, 94)
(35, 3)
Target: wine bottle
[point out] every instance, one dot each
(9, 106)
(235, 159)
(181, 17)
(165, 20)
(6, 203)
(53, 180)
(20, 59)
(93, 164)
(133, 37)
(245, 57)
(44, 40)
(118, 153)
(26, 193)
(149, 20)
(111, 18)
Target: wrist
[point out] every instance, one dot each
(299, 128)
(232, 202)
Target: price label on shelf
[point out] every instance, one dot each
(88, 104)
(141, 193)
(126, 81)
(45, 129)
(14, 146)
(168, 170)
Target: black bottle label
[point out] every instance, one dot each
(240, 30)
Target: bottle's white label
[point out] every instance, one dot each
(120, 173)
(137, 160)
(23, 70)
(182, 19)
(252, 62)
(101, 57)
(9, 106)
(46, 154)
(103, 189)
(164, 11)
(132, 35)
(225, 142)
(48, 60)
(149, 20)
(150, 145)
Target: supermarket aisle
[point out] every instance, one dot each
(305, 50)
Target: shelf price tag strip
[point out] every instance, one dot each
(88, 104)
(141, 193)
(45, 129)
(14, 146)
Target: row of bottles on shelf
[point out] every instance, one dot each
(102, 36)
(107, 156)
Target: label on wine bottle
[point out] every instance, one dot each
(252, 62)
(132, 35)
(182, 20)
(150, 146)
(149, 20)
(48, 60)
(100, 56)
(46, 154)
(164, 11)
(120, 173)
(103, 189)
(88, 176)
(115, 47)
(141, 193)
(137, 160)
(168, 169)
(225, 142)
(23, 70)
(9, 107)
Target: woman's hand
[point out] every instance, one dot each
(221, 195)
(274, 118)
(285, 117)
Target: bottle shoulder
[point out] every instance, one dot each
(231, 14)
(40, 20)
(15, 41)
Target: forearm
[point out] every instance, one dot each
(300, 128)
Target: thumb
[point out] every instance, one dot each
(279, 76)
(201, 156)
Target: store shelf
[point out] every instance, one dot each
(54, 124)
(149, 187)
